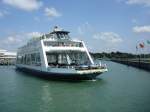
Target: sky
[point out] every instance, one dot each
(104, 25)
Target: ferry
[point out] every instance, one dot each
(57, 55)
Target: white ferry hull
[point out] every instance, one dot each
(70, 75)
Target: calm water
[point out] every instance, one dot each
(122, 89)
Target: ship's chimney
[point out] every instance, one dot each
(56, 28)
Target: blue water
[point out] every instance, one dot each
(121, 89)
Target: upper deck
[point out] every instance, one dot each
(54, 46)
(57, 40)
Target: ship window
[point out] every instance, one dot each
(62, 36)
(66, 36)
(55, 44)
(38, 59)
(62, 59)
(79, 58)
(33, 59)
(28, 59)
(52, 58)
(80, 44)
(58, 36)
(25, 59)
(19, 59)
(22, 60)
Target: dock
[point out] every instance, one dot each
(7, 61)
(138, 63)
(7, 58)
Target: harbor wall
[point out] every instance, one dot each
(142, 64)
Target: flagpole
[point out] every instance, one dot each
(148, 43)
(136, 52)
(143, 53)
(148, 47)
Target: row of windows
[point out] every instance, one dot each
(56, 36)
(55, 44)
(62, 36)
(70, 58)
(29, 59)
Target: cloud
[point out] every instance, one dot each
(84, 28)
(3, 13)
(27, 5)
(138, 2)
(51, 12)
(16, 40)
(99, 41)
(141, 29)
(37, 19)
(134, 21)
(11, 40)
(34, 34)
(108, 37)
(80, 30)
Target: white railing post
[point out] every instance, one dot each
(43, 56)
(87, 53)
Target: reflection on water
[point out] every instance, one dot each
(122, 88)
(46, 98)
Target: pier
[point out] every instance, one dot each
(141, 63)
(7, 58)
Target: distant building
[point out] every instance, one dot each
(7, 58)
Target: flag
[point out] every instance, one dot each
(141, 45)
(148, 41)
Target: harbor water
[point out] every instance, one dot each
(121, 89)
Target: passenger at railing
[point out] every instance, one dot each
(80, 44)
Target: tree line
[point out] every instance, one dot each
(118, 55)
